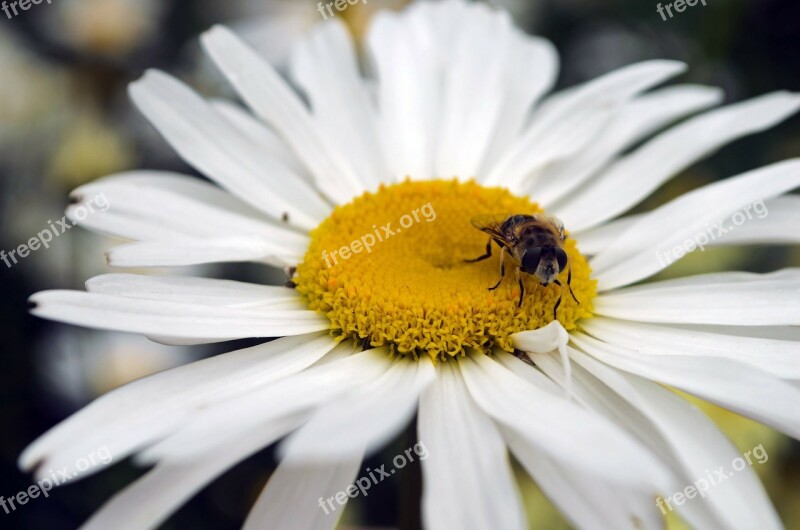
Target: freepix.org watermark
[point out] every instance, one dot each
(11, 7)
(713, 478)
(55, 478)
(678, 5)
(367, 241)
(373, 478)
(712, 233)
(340, 6)
(46, 236)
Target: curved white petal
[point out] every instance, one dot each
(564, 124)
(137, 414)
(363, 419)
(150, 500)
(303, 392)
(467, 478)
(730, 384)
(635, 176)
(552, 337)
(220, 151)
(634, 121)
(645, 248)
(173, 319)
(325, 66)
(297, 495)
(726, 299)
(188, 251)
(280, 107)
(567, 432)
(781, 358)
(692, 444)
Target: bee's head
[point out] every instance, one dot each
(546, 263)
(531, 260)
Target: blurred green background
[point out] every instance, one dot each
(65, 119)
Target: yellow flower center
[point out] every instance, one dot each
(388, 269)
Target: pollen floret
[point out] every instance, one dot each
(388, 269)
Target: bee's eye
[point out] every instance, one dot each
(530, 261)
(561, 256)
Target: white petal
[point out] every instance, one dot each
(565, 431)
(595, 240)
(264, 137)
(409, 89)
(563, 125)
(220, 151)
(297, 493)
(752, 300)
(589, 502)
(647, 246)
(585, 501)
(475, 73)
(771, 222)
(151, 499)
(531, 71)
(172, 319)
(325, 66)
(137, 414)
(781, 358)
(274, 102)
(487, 58)
(692, 444)
(303, 392)
(727, 383)
(365, 418)
(714, 278)
(763, 332)
(158, 205)
(197, 251)
(455, 431)
(635, 176)
(634, 121)
(191, 290)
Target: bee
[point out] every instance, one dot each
(535, 242)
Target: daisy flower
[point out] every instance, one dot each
(452, 121)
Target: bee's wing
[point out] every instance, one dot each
(556, 223)
(490, 223)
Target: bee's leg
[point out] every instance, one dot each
(560, 295)
(558, 303)
(502, 268)
(569, 284)
(485, 256)
(521, 288)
